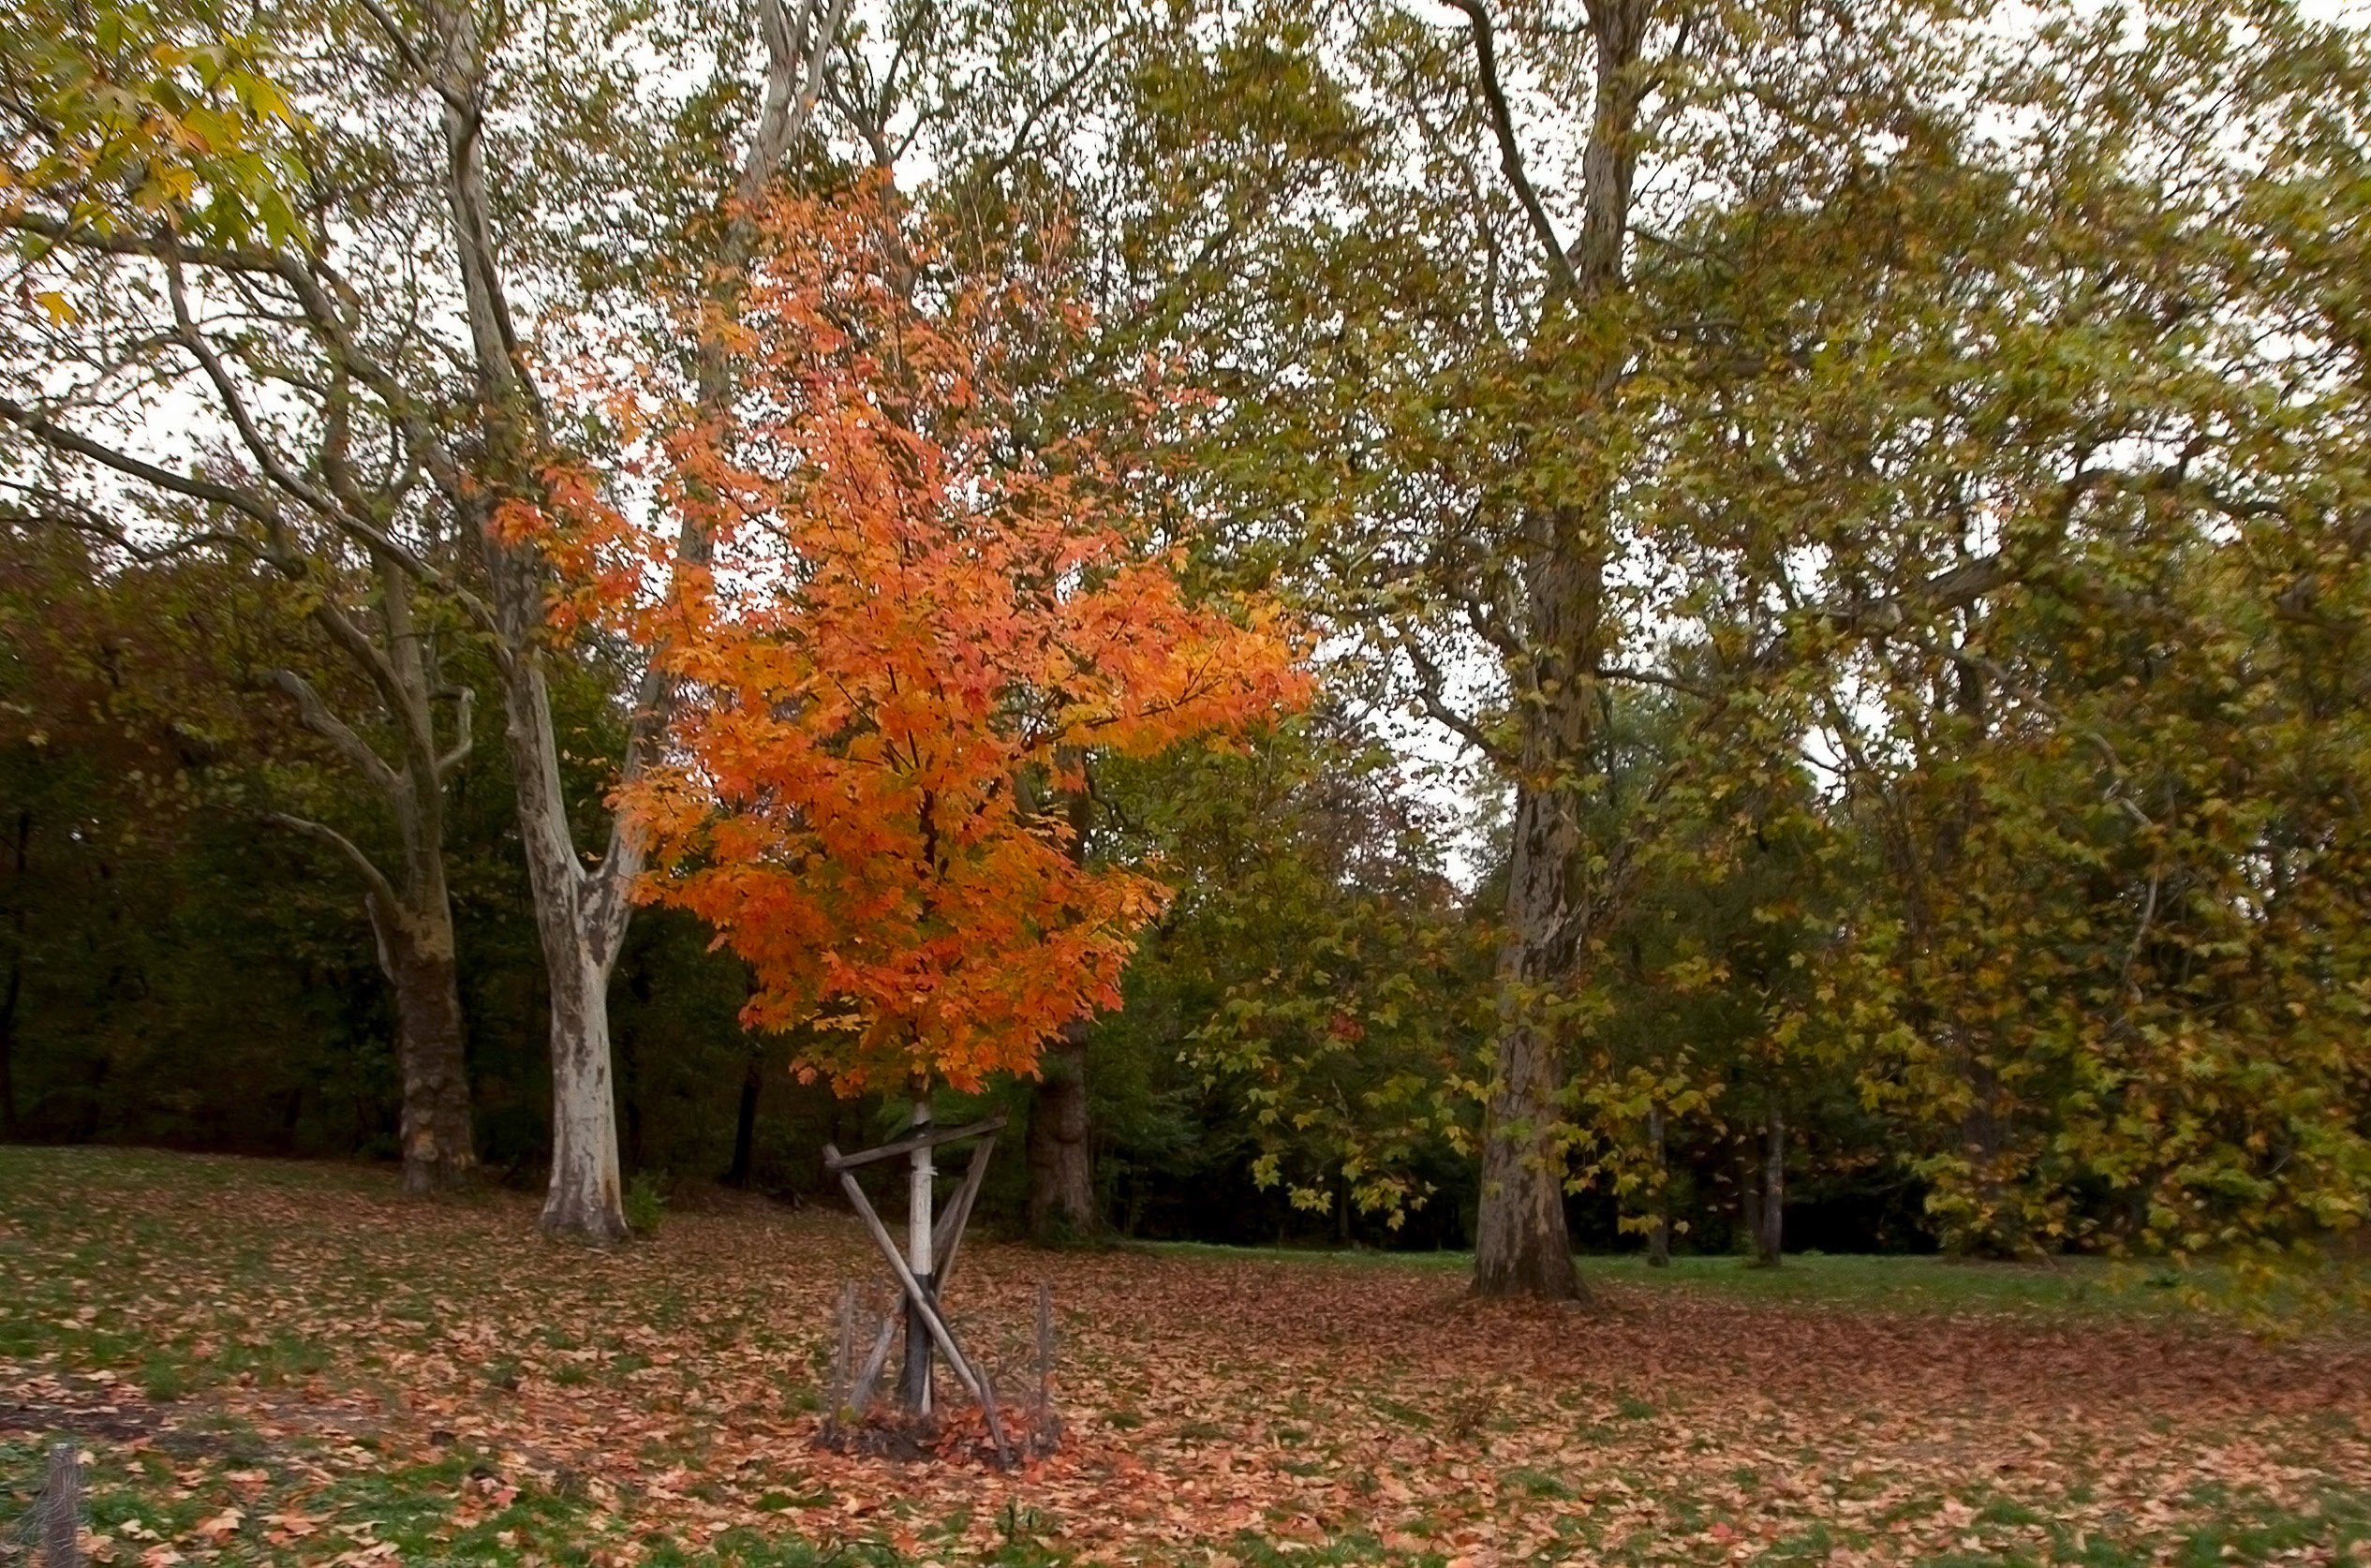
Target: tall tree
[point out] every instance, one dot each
(351, 319)
(309, 482)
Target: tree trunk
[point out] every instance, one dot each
(416, 952)
(585, 1196)
(580, 916)
(914, 1385)
(1552, 651)
(580, 921)
(1770, 1233)
(745, 1124)
(1659, 1233)
(1061, 1202)
(1749, 1197)
(1523, 1247)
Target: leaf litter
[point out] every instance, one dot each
(1214, 1408)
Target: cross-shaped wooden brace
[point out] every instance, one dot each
(920, 1298)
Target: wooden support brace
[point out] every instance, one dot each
(946, 1244)
(837, 1162)
(924, 1308)
(946, 1237)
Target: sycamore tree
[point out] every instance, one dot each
(1761, 356)
(354, 395)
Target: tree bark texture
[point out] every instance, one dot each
(1061, 1202)
(438, 1141)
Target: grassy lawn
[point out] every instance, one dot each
(1888, 1283)
(274, 1363)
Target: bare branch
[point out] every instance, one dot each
(314, 715)
(380, 888)
(1429, 683)
(42, 428)
(1510, 150)
(464, 710)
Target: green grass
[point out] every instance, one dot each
(1854, 1281)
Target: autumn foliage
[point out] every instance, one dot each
(910, 630)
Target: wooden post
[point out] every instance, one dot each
(913, 1388)
(840, 1394)
(1042, 1429)
(61, 1534)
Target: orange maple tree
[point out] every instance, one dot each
(909, 630)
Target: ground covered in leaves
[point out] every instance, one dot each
(284, 1363)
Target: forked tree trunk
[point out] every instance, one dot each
(411, 912)
(1062, 1205)
(581, 914)
(1771, 1234)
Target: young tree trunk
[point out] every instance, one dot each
(1659, 1233)
(1062, 1203)
(416, 952)
(914, 1386)
(1770, 1233)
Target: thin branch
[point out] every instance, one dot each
(464, 710)
(380, 887)
(314, 715)
(42, 428)
(1430, 682)
(1510, 151)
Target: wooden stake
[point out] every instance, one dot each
(61, 1535)
(860, 1398)
(949, 1234)
(843, 1354)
